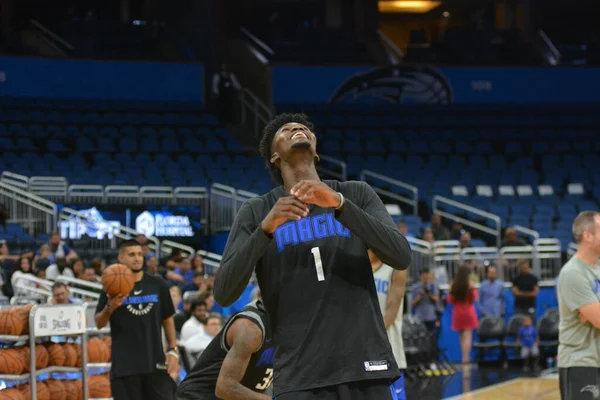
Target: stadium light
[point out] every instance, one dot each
(408, 6)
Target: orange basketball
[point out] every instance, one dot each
(56, 354)
(42, 392)
(77, 348)
(10, 323)
(97, 351)
(22, 314)
(74, 390)
(99, 387)
(57, 389)
(117, 279)
(11, 362)
(11, 394)
(24, 354)
(25, 389)
(70, 355)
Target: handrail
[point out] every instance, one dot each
(80, 282)
(497, 220)
(256, 106)
(31, 200)
(414, 202)
(534, 234)
(396, 55)
(14, 179)
(342, 176)
(555, 52)
(257, 41)
(174, 245)
(51, 34)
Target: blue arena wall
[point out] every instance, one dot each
(100, 80)
(422, 84)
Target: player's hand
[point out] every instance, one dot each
(172, 366)
(115, 302)
(317, 193)
(285, 209)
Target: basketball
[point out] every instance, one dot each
(99, 387)
(73, 388)
(22, 314)
(11, 362)
(108, 343)
(70, 355)
(11, 394)
(25, 389)
(77, 348)
(117, 279)
(57, 389)
(97, 351)
(10, 323)
(56, 354)
(24, 354)
(41, 357)
(42, 391)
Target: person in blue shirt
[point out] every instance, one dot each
(527, 338)
(492, 300)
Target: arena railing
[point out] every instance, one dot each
(223, 208)
(533, 235)
(18, 180)
(34, 213)
(398, 190)
(255, 114)
(79, 282)
(211, 261)
(571, 250)
(330, 167)
(54, 188)
(167, 246)
(440, 201)
(443, 258)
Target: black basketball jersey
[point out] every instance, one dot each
(201, 381)
(317, 285)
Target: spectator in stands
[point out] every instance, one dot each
(225, 90)
(174, 259)
(197, 284)
(60, 267)
(4, 252)
(183, 313)
(198, 264)
(525, 289)
(195, 323)
(62, 295)
(403, 228)
(176, 297)
(20, 285)
(59, 249)
(528, 340)
(465, 240)
(511, 239)
(425, 297)
(99, 266)
(143, 241)
(428, 236)
(185, 270)
(196, 344)
(440, 232)
(457, 230)
(89, 274)
(491, 294)
(208, 298)
(44, 259)
(4, 216)
(464, 317)
(77, 267)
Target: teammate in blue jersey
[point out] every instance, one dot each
(307, 240)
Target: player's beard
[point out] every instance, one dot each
(137, 271)
(301, 145)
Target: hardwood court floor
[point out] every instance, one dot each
(520, 388)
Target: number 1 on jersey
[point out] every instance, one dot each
(316, 252)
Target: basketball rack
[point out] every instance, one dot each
(53, 320)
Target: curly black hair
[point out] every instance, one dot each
(266, 141)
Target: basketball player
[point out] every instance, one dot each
(138, 370)
(308, 240)
(391, 286)
(238, 362)
(579, 308)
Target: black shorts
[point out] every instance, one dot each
(155, 386)
(360, 390)
(579, 383)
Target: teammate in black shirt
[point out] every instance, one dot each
(238, 362)
(140, 370)
(308, 241)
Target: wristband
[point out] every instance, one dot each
(174, 354)
(342, 201)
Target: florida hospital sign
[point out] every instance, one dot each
(159, 224)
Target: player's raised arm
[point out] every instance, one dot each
(244, 338)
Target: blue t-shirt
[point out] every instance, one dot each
(527, 335)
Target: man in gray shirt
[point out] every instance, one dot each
(579, 307)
